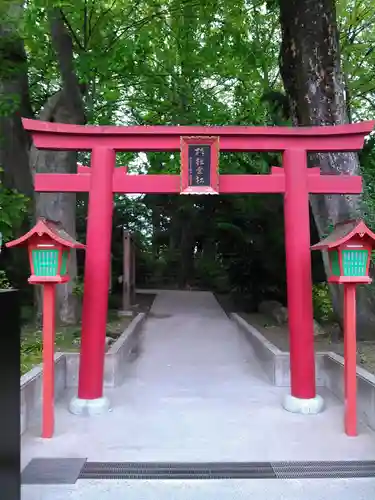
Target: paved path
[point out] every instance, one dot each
(197, 393)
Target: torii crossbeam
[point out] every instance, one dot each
(294, 180)
(122, 182)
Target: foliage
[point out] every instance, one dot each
(322, 303)
(367, 158)
(66, 339)
(13, 210)
(31, 354)
(357, 34)
(210, 274)
(4, 282)
(78, 288)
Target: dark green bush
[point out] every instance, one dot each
(322, 303)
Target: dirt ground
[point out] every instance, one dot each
(279, 336)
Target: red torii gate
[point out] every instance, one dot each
(294, 180)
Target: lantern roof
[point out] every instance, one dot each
(53, 229)
(343, 232)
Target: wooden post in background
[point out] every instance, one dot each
(126, 279)
(133, 272)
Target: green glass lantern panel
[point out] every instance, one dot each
(355, 262)
(45, 262)
(335, 264)
(64, 262)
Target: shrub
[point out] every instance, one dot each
(78, 288)
(31, 353)
(4, 282)
(322, 303)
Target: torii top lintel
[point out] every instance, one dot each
(58, 136)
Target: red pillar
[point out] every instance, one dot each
(350, 347)
(299, 282)
(48, 419)
(97, 269)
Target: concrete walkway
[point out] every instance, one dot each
(196, 393)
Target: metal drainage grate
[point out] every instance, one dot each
(154, 470)
(68, 470)
(232, 470)
(340, 469)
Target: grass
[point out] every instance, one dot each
(67, 339)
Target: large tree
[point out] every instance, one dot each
(59, 62)
(19, 157)
(64, 106)
(14, 100)
(14, 142)
(310, 64)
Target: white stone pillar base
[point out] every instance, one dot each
(304, 406)
(89, 407)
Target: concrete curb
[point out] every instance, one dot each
(275, 362)
(334, 381)
(116, 358)
(116, 363)
(329, 370)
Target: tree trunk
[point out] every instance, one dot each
(66, 106)
(312, 76)
(59, 207)
(155, 219)
(209, 248)
(187, 243)
(14, 102)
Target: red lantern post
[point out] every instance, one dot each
(49, 249)
(349, 248)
